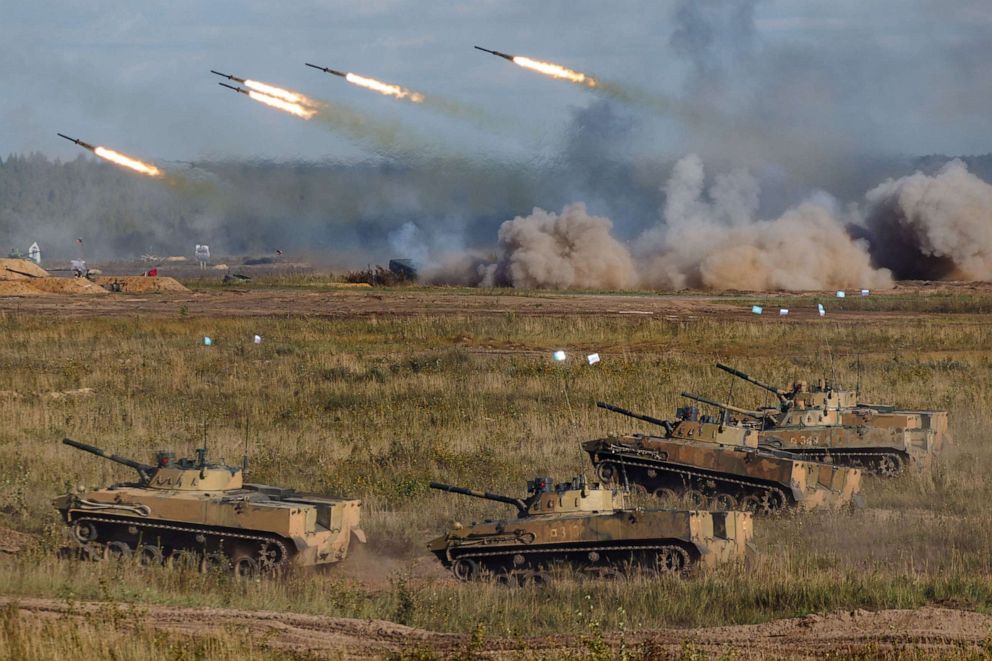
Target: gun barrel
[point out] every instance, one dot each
(747, 377)
(143, 469)
(639, 416)
(516, 502)
(720, 405)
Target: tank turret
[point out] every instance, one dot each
(183, 474)
(546, 497)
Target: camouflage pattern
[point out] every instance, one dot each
(826, 422)
(589, 528)
(192, 508)
(720, 465)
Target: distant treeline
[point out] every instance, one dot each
(354, 209)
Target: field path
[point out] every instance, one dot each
(933, 631)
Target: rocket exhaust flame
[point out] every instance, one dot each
(546, 68)
(374, 85)
(384, 88)
(555, 71)
(275, 97)
(292, 108)
(128, 162)
(117, 158)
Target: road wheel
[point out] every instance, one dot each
(750, 503)
(889, 465)
(118, 550)
(93, 551)
(149, 554)
(671, 560)
(245, 566)
(272, 557)
(665, 494)
(771, 501)
(695, 498)
(84, 531)
(723, 502)
(465, 569)
(607, 472)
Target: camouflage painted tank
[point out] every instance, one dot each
(589, 528)
(194, 508)
(824, 422)
(716, 464)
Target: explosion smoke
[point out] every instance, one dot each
(932, 227)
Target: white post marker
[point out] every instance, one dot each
(783, 312)
(865, 292)
(757, 309)
(258, 339)
(841, 294)
(821, 309)
(593, 358)
(559, 355)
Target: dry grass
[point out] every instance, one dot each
(377, 408)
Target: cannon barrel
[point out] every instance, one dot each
(778, 392)
(726, 407)
(639, 416)
(144, 470)
(516, 502)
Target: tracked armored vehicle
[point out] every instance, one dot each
(713, 463)
(589, 528)
(194, 509)
(827, 423)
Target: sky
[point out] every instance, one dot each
(878, 77)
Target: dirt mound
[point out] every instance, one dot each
(12, 541)
(19, 288)
(72, 286)
(934, 632)
(20, 269)
(139, 284)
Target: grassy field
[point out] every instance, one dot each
(377, 407)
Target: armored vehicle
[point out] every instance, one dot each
(827, 423)
(714, 463)
(589, 528)
(196, 509)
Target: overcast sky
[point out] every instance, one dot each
(892, 76)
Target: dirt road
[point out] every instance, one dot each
(933, 631)
(416, 302)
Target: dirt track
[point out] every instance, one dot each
(414, 302)
(933, 631)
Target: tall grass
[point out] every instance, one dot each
(376, 408)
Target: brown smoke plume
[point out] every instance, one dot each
(932, 227)
(545, 250)
(711, 240)
(572, 250)
(918, 226)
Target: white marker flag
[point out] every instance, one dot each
(821, 309)
(783, 312)
(558, 355)
(258, 339)
(757, 309)
(207, 341)
(593, 358)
